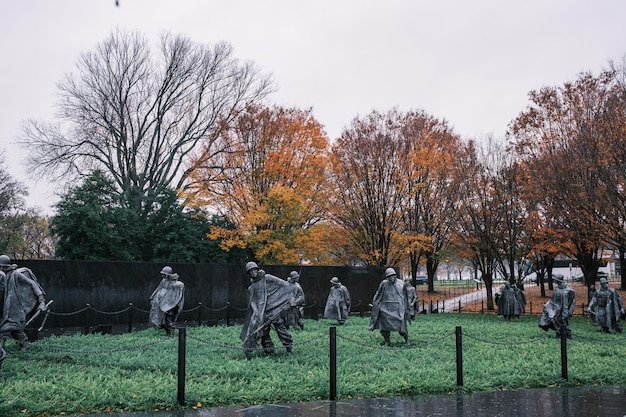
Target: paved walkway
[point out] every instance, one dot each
(549, 402)
(452, 304)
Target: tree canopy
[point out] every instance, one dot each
(138, 115)
(269, 183)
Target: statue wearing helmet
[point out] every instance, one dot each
(295, 315)
(338, 302)
(21, 298)
(413, 298)
(269, 299)
(166, 301)
(607, 308)
(390, 308)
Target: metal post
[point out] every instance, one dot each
(182, 345)
(228, 313)
(199, 313)
(459, 306)
(564, 352)
(333, 363)
(88, 324)
(130, 317)
(459, 358)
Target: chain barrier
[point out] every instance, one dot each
(412, 346)
(54, 313)
(96, 352)
(110, 312)
(210, 309)
(239, 348)
(493, 342)
(592, 339)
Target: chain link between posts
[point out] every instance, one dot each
(97, 352)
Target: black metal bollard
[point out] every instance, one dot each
(459, 358)
(228, 313)
(182, 346)
(199, 313)
(88, 324)
(333, 363)
(130, 317)
(564, 352)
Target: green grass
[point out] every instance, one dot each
(138, 372)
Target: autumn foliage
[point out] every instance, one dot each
(268, 181)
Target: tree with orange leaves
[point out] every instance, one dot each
(431, 199)
(269, 182)
(560, 136)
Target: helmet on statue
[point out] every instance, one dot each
(251, 265)
(390, 272)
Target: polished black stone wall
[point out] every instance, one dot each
(111, 286)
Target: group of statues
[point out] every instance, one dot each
(273, 302)
(511, 301)
(279, 304)
(606, 307)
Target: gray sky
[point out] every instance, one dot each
(471, 63)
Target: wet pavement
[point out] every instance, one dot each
(546, 402)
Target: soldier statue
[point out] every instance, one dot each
(166, 301)
(338, 302)
(295, 314)
(390, 308)
(21, 300)
(607, 308)
(269, 299)
(557, 311)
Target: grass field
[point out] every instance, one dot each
(138, 371)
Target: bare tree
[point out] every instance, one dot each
(138, 116)
(369, 185)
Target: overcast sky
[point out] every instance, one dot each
(471, 63)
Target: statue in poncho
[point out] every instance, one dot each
(559, 309)
(338, 302)
(413, 299)
(390, 308)
(269, 299)
(166, 301)
(511, 301)
(21, 299)
(295, 314)
(607, 308)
